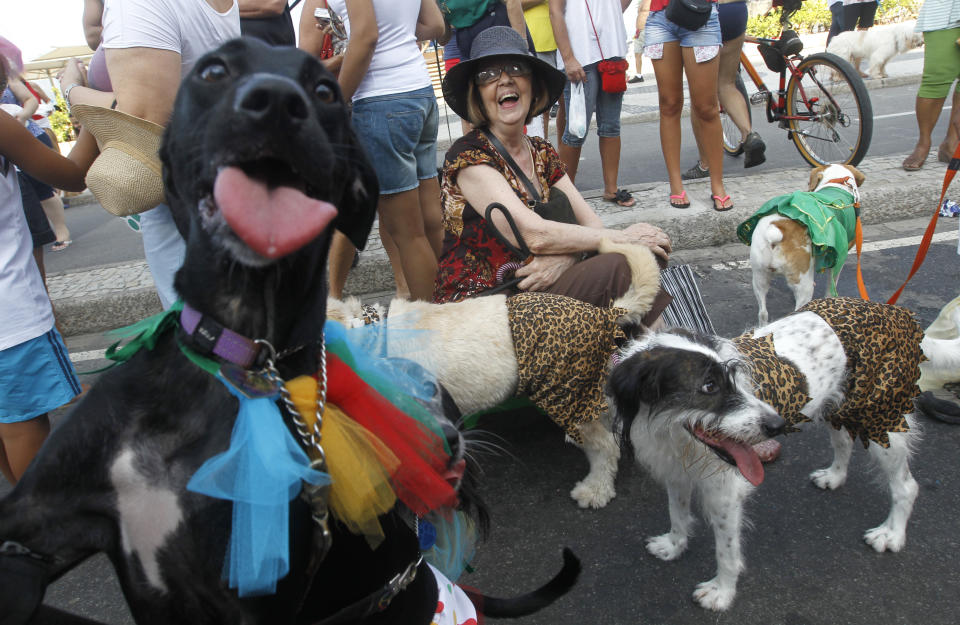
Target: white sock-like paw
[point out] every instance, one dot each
(713, 595)
(828, 479)
(884, 538)
(667, 546)
(593, 493)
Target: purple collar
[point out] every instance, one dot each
(212, 338)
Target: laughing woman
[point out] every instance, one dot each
(499, 90)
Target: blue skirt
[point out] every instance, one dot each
(36, 376)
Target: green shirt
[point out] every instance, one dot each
(828, 214)
(464, 13)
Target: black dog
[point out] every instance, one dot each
(259, 165)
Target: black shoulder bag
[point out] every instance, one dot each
(689, 14)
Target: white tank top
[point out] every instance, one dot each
(25, 311)
(397, 65)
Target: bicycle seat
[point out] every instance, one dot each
(789, 43)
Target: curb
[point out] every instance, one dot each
(889, 194)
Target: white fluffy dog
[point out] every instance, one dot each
(471, 352)
(780, 245)
(693, 405)
(876, 45)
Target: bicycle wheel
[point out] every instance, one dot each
(731, 134)
(835, 117)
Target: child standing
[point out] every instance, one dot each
(36, 375)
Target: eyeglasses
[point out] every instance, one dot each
(489, 74)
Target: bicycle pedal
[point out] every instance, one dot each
(759, 97)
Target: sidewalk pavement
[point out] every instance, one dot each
(100, 298)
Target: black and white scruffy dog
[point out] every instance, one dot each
(693, 405)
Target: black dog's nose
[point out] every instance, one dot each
(267, 96)
(773, 424)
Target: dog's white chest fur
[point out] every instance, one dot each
(147, 515)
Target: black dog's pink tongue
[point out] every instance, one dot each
(273, 222)
(746, 458)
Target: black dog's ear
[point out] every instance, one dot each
(632, 383)
(359, 201)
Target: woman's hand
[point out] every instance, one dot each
(74, 72)
(540, 273)
(653, 237)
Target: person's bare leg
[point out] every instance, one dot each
(561, 121)
(949, 143)
(339, 262)
(21, 441)
(401, 216)
(730, 97)
(610, 165)
(432, 212)
(702, 79)
(928, 111)
(403, 291)
(570, 156)
(669, 73)
(53, 209)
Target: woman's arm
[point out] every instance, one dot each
(363, 42)
(482, 185)
(36, 159)
(27, 100)
(93, 22)
(430, 24)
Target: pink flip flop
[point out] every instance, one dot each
(683, 202)
(718, 203)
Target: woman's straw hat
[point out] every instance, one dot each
(498, 42)
(127, 176)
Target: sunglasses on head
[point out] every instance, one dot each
(489, 74)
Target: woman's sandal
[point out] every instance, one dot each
(719, 203)
(682, 200)
(621, 198)
(60, 245)
(913, 164)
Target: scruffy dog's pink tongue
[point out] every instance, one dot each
(273, 222)
(746, 458)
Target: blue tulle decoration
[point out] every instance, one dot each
(376, 353)
(455, 542)
(260, 473)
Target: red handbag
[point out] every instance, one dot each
(613, 75)
(613, 71)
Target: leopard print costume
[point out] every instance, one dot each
(882, 345)
(563, 349)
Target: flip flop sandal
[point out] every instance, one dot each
(620, 198)
(60, 245)
(943, 156)
(682, 200)
(718, 203)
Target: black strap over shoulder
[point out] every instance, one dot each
(531, 188)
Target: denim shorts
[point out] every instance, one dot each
(36, 376)
(660, 30)
(606, 105)
(399, 134)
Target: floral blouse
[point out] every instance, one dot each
(471, 254)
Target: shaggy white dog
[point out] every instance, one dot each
(876, 45)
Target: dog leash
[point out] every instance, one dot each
(857, 233)
(952, 168)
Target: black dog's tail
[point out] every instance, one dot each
(531, 602)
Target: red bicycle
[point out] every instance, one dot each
(824, 105)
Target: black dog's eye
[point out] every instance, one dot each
(325, 93)
(214, 72)
(709, 387)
